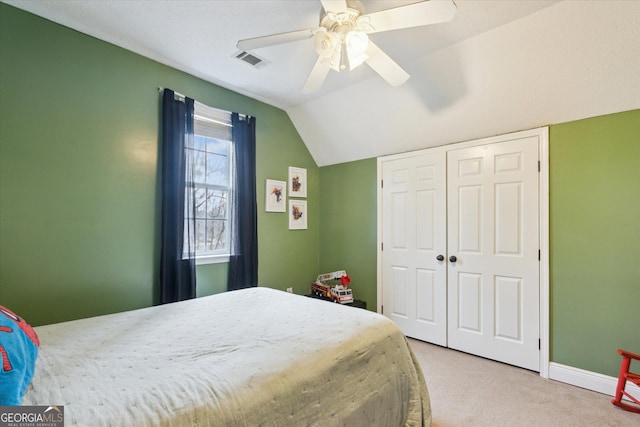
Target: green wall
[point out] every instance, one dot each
(595, 240)
(348, 204)
(594, 237)
(79, 187)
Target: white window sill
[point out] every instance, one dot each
(212, 259)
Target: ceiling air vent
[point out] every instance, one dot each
(251, 59)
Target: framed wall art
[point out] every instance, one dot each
(297, 182)
(297, 214)
(276, 196)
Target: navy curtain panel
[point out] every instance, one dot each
(177, 258)
(243, 261)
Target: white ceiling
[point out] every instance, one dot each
(499, 66)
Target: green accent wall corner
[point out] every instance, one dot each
(348, 231)
(595, 240)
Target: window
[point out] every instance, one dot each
(211, 155)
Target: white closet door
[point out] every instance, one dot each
(493, 286)
(414, 235)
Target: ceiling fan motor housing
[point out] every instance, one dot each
(341, 21)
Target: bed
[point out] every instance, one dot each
(253, 357)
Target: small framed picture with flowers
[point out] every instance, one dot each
(276, 196)
(297, 214)
(297, 182)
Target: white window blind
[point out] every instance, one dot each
(211, 122)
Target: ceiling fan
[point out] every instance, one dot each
(341, 40)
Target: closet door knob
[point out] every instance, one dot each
(440, 257)
(453, 258)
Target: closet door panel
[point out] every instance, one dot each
(414, 234)
(493, 285)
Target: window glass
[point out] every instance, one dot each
(212, 167)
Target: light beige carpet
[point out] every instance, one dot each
(471, 391)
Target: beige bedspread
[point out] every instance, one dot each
(255, 357)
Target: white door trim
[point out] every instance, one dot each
(543, 180)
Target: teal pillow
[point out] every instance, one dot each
(18, 352)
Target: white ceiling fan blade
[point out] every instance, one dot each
(413, 15)
(334, 5)
(274, 39)
(385, 66)
(317, 76)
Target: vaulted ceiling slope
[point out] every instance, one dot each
(499, 66)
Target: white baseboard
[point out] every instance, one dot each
(590, 380)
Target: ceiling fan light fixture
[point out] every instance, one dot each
(363, 23)
(325, 43)
(342, 50)
(336, 60)
(356, 44)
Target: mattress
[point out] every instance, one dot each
(252, 357)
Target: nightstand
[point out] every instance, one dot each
(356, 302)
